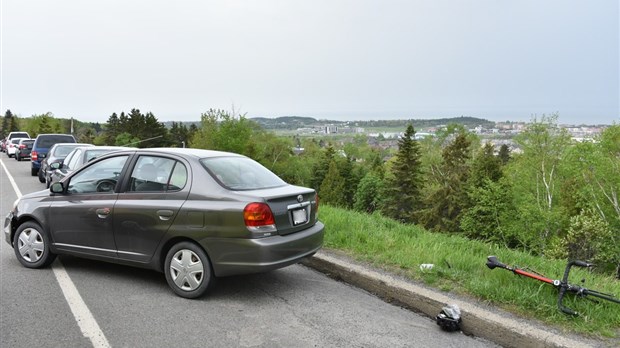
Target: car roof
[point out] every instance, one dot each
(44, 134)
(191, 152)
(96, 148)
(185, 152)
(72, 144)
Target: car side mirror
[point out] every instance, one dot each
(57, 187)
(56, 165)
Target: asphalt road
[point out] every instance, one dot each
(120, 306)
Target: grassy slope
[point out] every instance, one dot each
(460, 267)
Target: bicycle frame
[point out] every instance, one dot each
(562, 285)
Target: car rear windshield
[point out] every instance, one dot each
(241, 173)
(63, 151)
(49, 140)
(19, 135)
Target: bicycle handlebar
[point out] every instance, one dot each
(493, 262)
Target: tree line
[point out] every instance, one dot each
(556, 197)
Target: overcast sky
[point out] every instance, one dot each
(336, 59)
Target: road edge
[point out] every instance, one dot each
(477, 321)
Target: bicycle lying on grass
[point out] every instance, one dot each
(563, 285)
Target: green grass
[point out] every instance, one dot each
(460, 268)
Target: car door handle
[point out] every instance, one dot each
(103, 212)
(165, 214)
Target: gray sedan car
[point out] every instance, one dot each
(191, 214)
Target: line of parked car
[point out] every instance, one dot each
(52, 156)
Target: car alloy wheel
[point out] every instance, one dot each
(188, 270)
(32, 246)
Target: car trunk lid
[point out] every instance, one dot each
(294, 208)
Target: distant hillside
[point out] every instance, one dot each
(294, 122)
(289, 122)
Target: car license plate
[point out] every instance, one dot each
(299, 217)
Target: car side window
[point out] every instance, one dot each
(157, 174)
(178, 178)
(100, 177)
(74, 159)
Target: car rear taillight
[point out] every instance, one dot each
(33, 155)
(259, 218)
(22, 146)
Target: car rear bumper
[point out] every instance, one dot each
(230, 256)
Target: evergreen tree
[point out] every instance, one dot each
(332, 187)
(504, 153)
(179, 134)
(489, 214)
(7, 123)
(86, 135)
(486, 166)
(449, 198)
(135, 129)
(154, 133)
(13, 124)
(45, 125)
(376, 164)
(192, 130)
(403, 185)
(112, 129)
(350, 182)
(321, 167)
(487, 207)
(367, 196)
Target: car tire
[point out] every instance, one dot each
(34, 171)
(188, 270)
(41, 178)
(32, 246)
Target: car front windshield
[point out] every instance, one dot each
(63, 151)
(241, 173)
(92, 154)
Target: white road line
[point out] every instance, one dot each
(88, 325)
(11, 180)
(84, 318)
